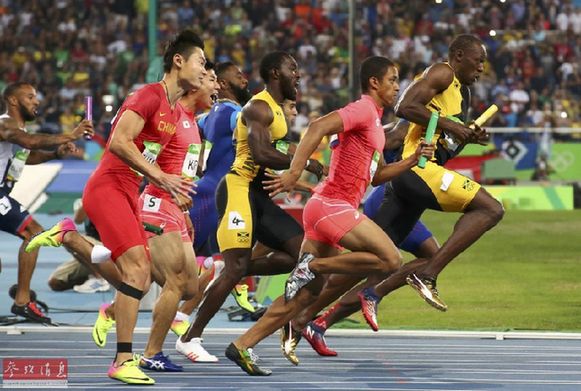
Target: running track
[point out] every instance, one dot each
(385, 361)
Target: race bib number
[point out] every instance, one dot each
(235, 221)
(17, 165)
(374, 164)
(207, 149)
(151, 151)
(151, 203)
(191, 161)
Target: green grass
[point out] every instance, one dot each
(524, 274)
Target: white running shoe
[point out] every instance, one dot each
(195, 351)
(93, 285)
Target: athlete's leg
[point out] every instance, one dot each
(26, 263)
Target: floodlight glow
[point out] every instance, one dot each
(492, 33)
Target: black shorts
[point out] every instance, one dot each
(13, 217)
(247, 214)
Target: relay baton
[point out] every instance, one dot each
(486, 115)
(153, 228)
(430, 130)
(88, 112)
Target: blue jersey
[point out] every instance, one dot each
(217, 127)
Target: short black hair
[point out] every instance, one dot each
(11, 89)
(463, 42)
(222, 67)
(374, 66)
(209, 65)
(272, 60)
(184, 44)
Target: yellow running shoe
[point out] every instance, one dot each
(102, 326)
(52, 237)
(179, 327)
(240, 293)
(129, 372)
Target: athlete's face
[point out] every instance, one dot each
(27, 102)
(471, 64)
(389, 87)
(289, 78)
(192, 71)
(234, 80)
(208, 91)
(289, 107)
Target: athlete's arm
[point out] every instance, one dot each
(395, 135)
(387, 172)
(257, 116)
(327, 125)
(412, 105)
(121, 145)
(63, 150)
(10, 132)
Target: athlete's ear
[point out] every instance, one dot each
(178, 60)
(374, 83)
(276, 73)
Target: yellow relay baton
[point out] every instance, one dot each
(486, 115)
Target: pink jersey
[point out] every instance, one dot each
(355, 159)
(151, 103)
(182, 154)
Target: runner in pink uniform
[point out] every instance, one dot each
(331, 219)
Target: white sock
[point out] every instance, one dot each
(100, 254)
(208, 263)
(181, 316)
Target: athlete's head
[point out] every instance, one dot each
(467, 55)
(20, 97)
(379, 76)
(233, 83)
(208, 92)
(281, 66)
(289, 108)
(185, 54)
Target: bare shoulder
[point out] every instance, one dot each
(439, 74)
(257, 111)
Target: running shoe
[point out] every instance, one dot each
(179, 327)
(316, 337)
(243, 359)
(426, 287)
(160, 363)
(289, 339)
(52, 237)
(369, 301)
(299, 277)
(240, 294)
(129, 372)
(31, 312)
(93, 285)
(195, 351)
(102, 326)
(253, 356)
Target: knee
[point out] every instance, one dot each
(389, 263)
(496, 212)
(138, 275)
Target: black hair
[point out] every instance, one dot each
(222, 67)
(272, 60)
(209, 65)
(184, 44)
(375, 66)
(11, 89)
(463, 42)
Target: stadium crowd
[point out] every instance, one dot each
(99, 48)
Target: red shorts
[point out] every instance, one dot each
(327, 220)
(115, 213)
(163, 213)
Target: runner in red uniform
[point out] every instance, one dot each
(145, 123)
(331, 219)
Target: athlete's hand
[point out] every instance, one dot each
(84, 129)
(174, 185)
(315, 167)
(184, 203)
(460, 132)
(280, 183)
(424, 149)
(479, 135)
(65, 150)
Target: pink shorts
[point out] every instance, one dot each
(163, 213)
(115, 214)
(327, 220)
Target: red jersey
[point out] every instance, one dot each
(150, 103)
(182, 154)
(355, 159)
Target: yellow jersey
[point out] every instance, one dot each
(448, 103)
(244, 164)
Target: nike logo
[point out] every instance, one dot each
(99, 338)
(162, 114)
(136, 378)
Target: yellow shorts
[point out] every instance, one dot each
(453, 191)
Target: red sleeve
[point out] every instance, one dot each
(355, 116)
(145, 101)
